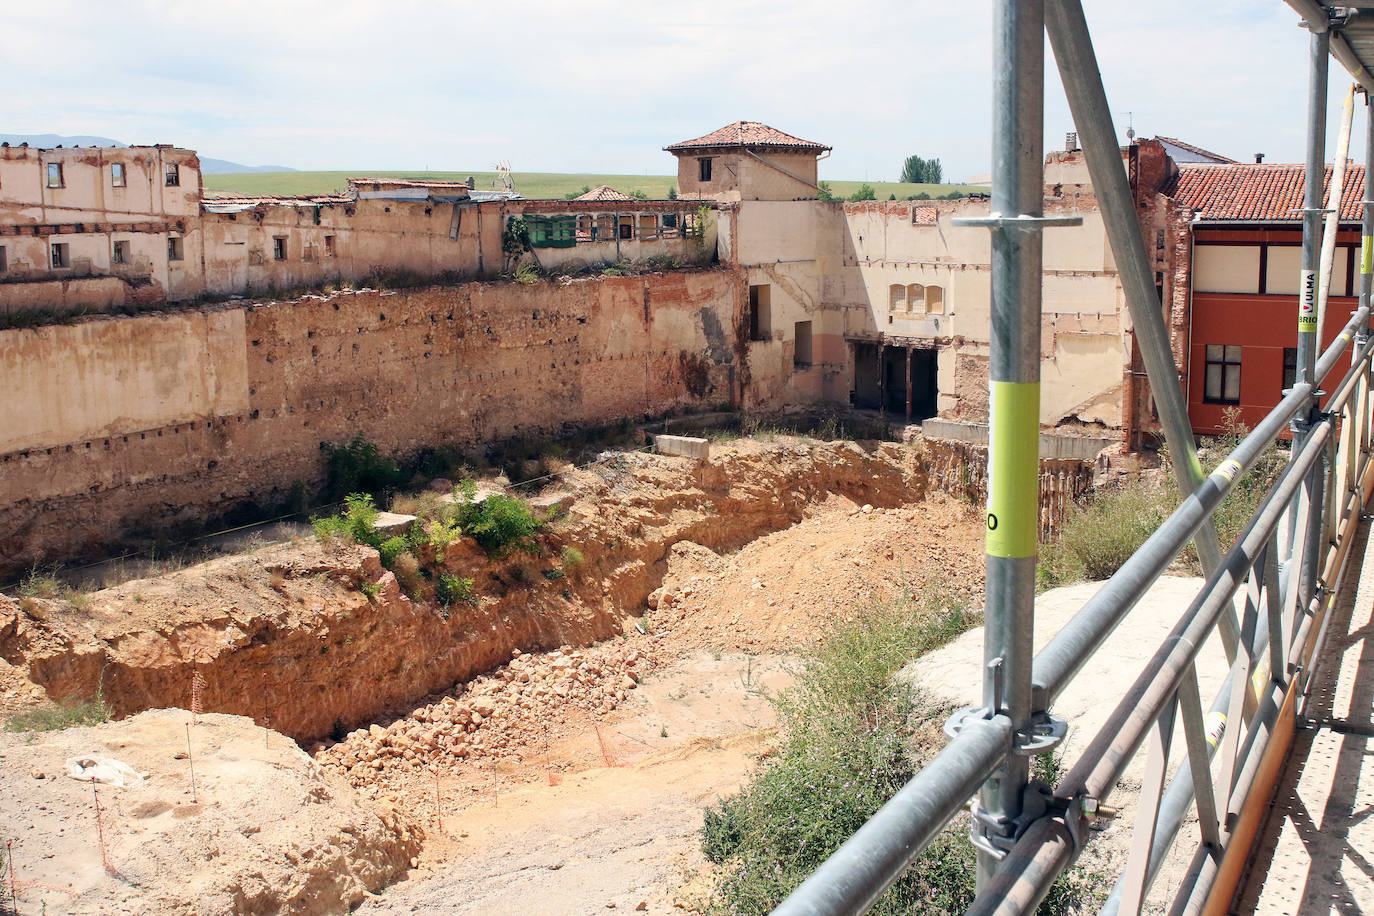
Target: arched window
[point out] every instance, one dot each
(916, 297)
(897, 297)
(935, 300)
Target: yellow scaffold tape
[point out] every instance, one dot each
(1367, 254)
(1014, 469)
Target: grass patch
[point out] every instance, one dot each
(1101, 533)
(852, 737)
(846, 730)
(55, 718)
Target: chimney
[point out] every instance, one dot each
(1071, 141)
(1259, 157)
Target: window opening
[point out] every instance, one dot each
(704, 169)
(61, 255)
(760, 312)
(1222, 380)
(174, 249)
(801, 355)
(117, 175)
(279, 248)
(173, 174)
(119, 253)
(55, 175)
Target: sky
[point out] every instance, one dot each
(598, 86)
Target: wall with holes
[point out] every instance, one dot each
(118, 425)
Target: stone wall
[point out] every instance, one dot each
(133, 424)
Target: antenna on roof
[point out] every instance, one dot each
(505, 180)
(1130, 128)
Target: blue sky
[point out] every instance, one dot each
(601, 86)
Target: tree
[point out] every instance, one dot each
(865, 192)
(916, 170)
(824, 192)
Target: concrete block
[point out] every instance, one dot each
(393, 523)
(683, 447)
(549, 502)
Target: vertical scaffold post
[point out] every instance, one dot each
(1312, 208)
(1014, 395)
(1366, 259)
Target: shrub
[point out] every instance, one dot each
(499, 524)
(572, 558)
(390, 549)
(440, 533)
(39, 584)
(452, 589)
(359, 467)
(356, 524)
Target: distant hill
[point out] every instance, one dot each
(208, 166)
(48, 141)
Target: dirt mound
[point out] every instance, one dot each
(784, 588)
(265, 831)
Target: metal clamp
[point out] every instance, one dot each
(1022, 221)
(997, 835)
(1046, 731)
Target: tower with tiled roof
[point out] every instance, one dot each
(747, 160)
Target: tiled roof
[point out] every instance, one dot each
(749, 133)
(925, 216)
(1262, 193)
(1216, 157)
(605, 192)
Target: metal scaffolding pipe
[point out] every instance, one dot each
(1078, 70)
(1314, 179)
(1333, 219)
(1013, 396)
(1039, 856)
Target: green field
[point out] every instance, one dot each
(531, 184)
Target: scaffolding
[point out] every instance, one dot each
(1288, 562)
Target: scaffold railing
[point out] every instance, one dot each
(1287, 564)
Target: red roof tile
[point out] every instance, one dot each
(749, 133)
(605, 192)
(1261, 193)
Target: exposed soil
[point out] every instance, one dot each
(554, 746)
(264, 830)
(287, 632)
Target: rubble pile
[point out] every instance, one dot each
(505, 716)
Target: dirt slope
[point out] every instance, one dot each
(266, 831)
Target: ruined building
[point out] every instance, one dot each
(193, 389)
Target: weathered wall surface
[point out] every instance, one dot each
(157, 419)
